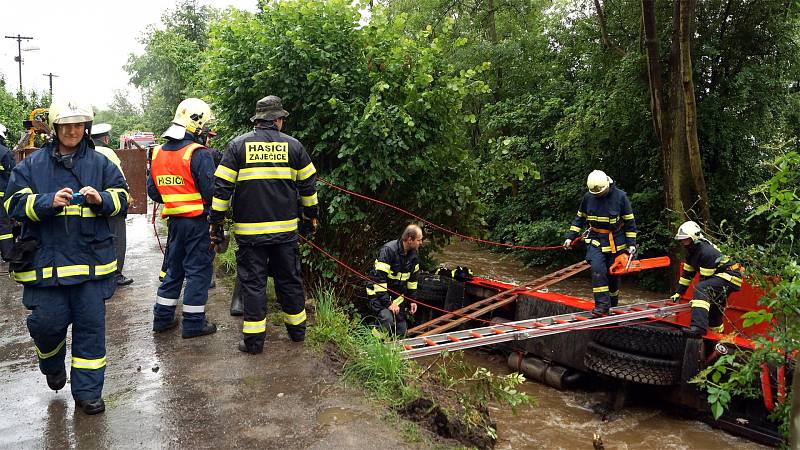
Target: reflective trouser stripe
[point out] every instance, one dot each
(600, 289)
(166, 301)
(701, 304)
(255, 327)
(6, 236)
(730, 278)
(294, 319)
(50, 354)
(614, 294)
(718, 329)
(81, 363)
(194, 309)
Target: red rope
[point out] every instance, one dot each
(518, 327)
(433, 225)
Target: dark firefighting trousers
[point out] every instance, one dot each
(120, 230)
(253, 264)
(605, 287)
(188, 257)
(394, 324)
(53, 309)
(708, 303)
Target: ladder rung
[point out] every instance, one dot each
(496, 331)
(430, 342)
(453, 338)
(539, 324)
(562, 321)
(475, 334)
(637, 309)
(581, 318)
(407, 347)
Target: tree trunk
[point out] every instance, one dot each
(686, 30)
(601, 17)
(794, 424)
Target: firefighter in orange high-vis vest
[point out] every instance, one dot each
(182, 178)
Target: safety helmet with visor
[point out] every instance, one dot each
(192, 115)
(70, 111)
(3, 131)
(598, 182)
(689, 229)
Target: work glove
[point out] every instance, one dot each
(216, 231)
(567, 244)
(675, 297)
(309, 226)
(631, 249)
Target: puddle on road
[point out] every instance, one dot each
(338, 416)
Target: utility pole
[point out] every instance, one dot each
(18, 59)
(50, 75)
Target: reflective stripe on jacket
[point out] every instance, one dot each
(609, 216)
(705, 257)
(172, 175)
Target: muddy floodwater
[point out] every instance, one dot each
(568, 419)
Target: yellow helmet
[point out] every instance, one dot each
(192, 115)
(69, 112)
(598, 182)
(689, 229)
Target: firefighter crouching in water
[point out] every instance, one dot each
(719, 277)
(7, 164)
(612, 230)
(396, 269)
(63, 195)
(266, 172)
(182, 178)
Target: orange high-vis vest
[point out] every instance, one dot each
(172, 175)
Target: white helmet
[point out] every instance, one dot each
(598, 182)
(191, 115)
(69, 112)
(689, 229)
(3, 130)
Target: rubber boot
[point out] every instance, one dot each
(90, 407)
(167, 327)
(208, 328)
(56, 382)
(237, 307)
(253, 351)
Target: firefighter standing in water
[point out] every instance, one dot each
(719, 277)
(182, 178)
(612, 230)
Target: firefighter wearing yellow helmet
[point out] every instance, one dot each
(719, 277)
(63, 195)
(182, 178)
(607, 213)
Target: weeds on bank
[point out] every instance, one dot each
(378, 366)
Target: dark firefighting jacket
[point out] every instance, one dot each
(270, 173)
(705, 257)
(7, 164)
(394, 271)
(612, 226)
(70, 244)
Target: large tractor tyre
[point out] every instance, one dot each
(432, 289)
(654, 339)
(632, 367)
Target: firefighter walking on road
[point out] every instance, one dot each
(7, 164)
(719, 278)
(394, 276)
(262, 176)
(182, 178)
(612, 230)
(63, 195)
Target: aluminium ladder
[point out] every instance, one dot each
(455, 318)
(529, 328)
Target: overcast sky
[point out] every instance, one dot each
(72, 35)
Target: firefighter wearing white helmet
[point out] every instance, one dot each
(719, 277)
(182, 178)
(63, 196)
(606, 211)
(7, 164)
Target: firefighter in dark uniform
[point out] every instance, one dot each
(394, 276)
(63, 195)
(263, 175)
(612, 230)
(719, 277)
(182, 178)
(7, 164)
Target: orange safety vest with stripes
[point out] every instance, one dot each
(172, 175)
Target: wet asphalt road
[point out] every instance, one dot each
(162, 391)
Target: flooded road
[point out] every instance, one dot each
(162, 391)
(567, 419)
